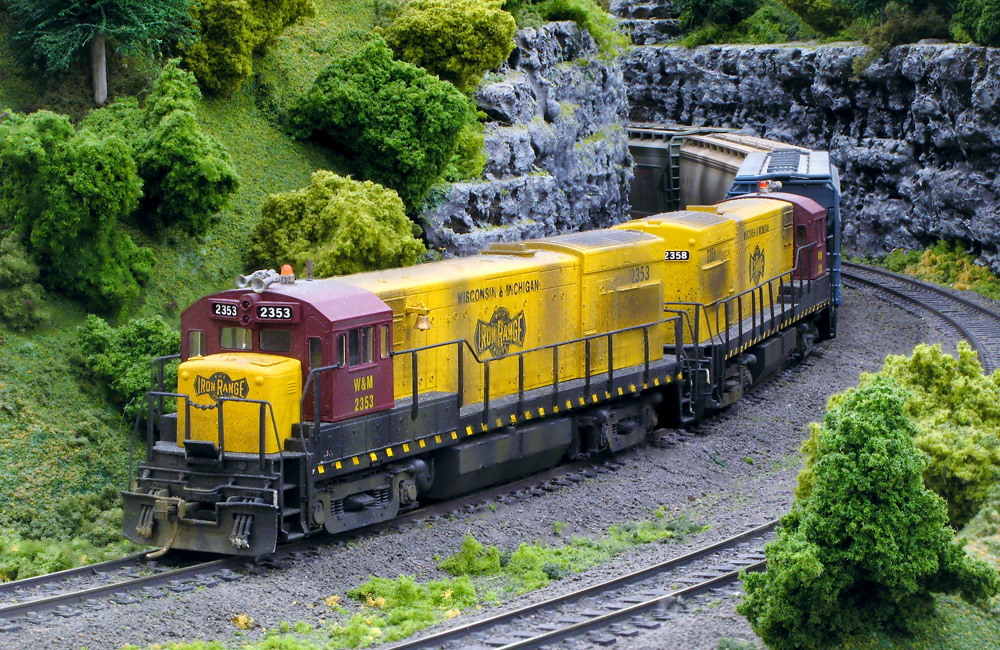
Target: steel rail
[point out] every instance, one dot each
(41, 605)
(463, 631)
(66, 574)
(983, 337)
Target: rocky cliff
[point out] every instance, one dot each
(557, 149)
(915, 135)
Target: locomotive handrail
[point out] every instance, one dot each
(317, 396)
(265, 407)
(157, 366)
(461, 344)
(756, 294)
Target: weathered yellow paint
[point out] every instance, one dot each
(321, 469)
(519, 297)
(730, 247)
(273, 379)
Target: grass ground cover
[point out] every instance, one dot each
(947, 263)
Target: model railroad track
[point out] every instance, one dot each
(120, 581)
(123, 581)
(610, 609)
(976, 324)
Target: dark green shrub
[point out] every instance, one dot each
(65, 193)
(120, 357)
(902, 24)
(20, 294)
(458, 40)
(188, 175)
(721, 12)
(398, 124)
(827, 17)
(343, 225)
(980, 20)
(231, 32)
(772, 22)
(868, 546)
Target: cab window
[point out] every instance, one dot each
(383, 333)
(196, 343)
(361, 346)
(275, 340)
(315, 352)
(235, 338)
(800, 236)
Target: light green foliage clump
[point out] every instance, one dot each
(473, 559)
(20, 294)
(398, 608)
(398, 124)
(868, 546)
(188, 176)
(65, 191)
(533, 566)
(946, 263)
(590, 16)
(956, 409)
(120, 357)
(343, 225)
(231, 32)
(458, 40)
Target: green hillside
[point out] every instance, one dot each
(62, 445)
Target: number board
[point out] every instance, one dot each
(677, 256)
(275, 312)
(224, 310)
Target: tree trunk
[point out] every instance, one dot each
(99, 66)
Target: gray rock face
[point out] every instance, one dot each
(557, 150)
(916, 135)
(648, 22)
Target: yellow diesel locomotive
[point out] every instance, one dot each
(307, 405)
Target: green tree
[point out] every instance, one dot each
(188, 175)
(120, 357)
(458, 40)
(231, 32)
(397, 124)
(343, 225)
(65, 192)
(54, 31)
(980, 20)
(868, 546)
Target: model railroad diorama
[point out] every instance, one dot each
(321, 407)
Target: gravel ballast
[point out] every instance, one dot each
(738, 471)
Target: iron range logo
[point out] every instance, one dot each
(221, 385)
(501, 332)
(757, 265)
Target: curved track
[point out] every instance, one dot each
(978, 325)
(639, 598)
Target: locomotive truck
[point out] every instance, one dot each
(306, 405)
